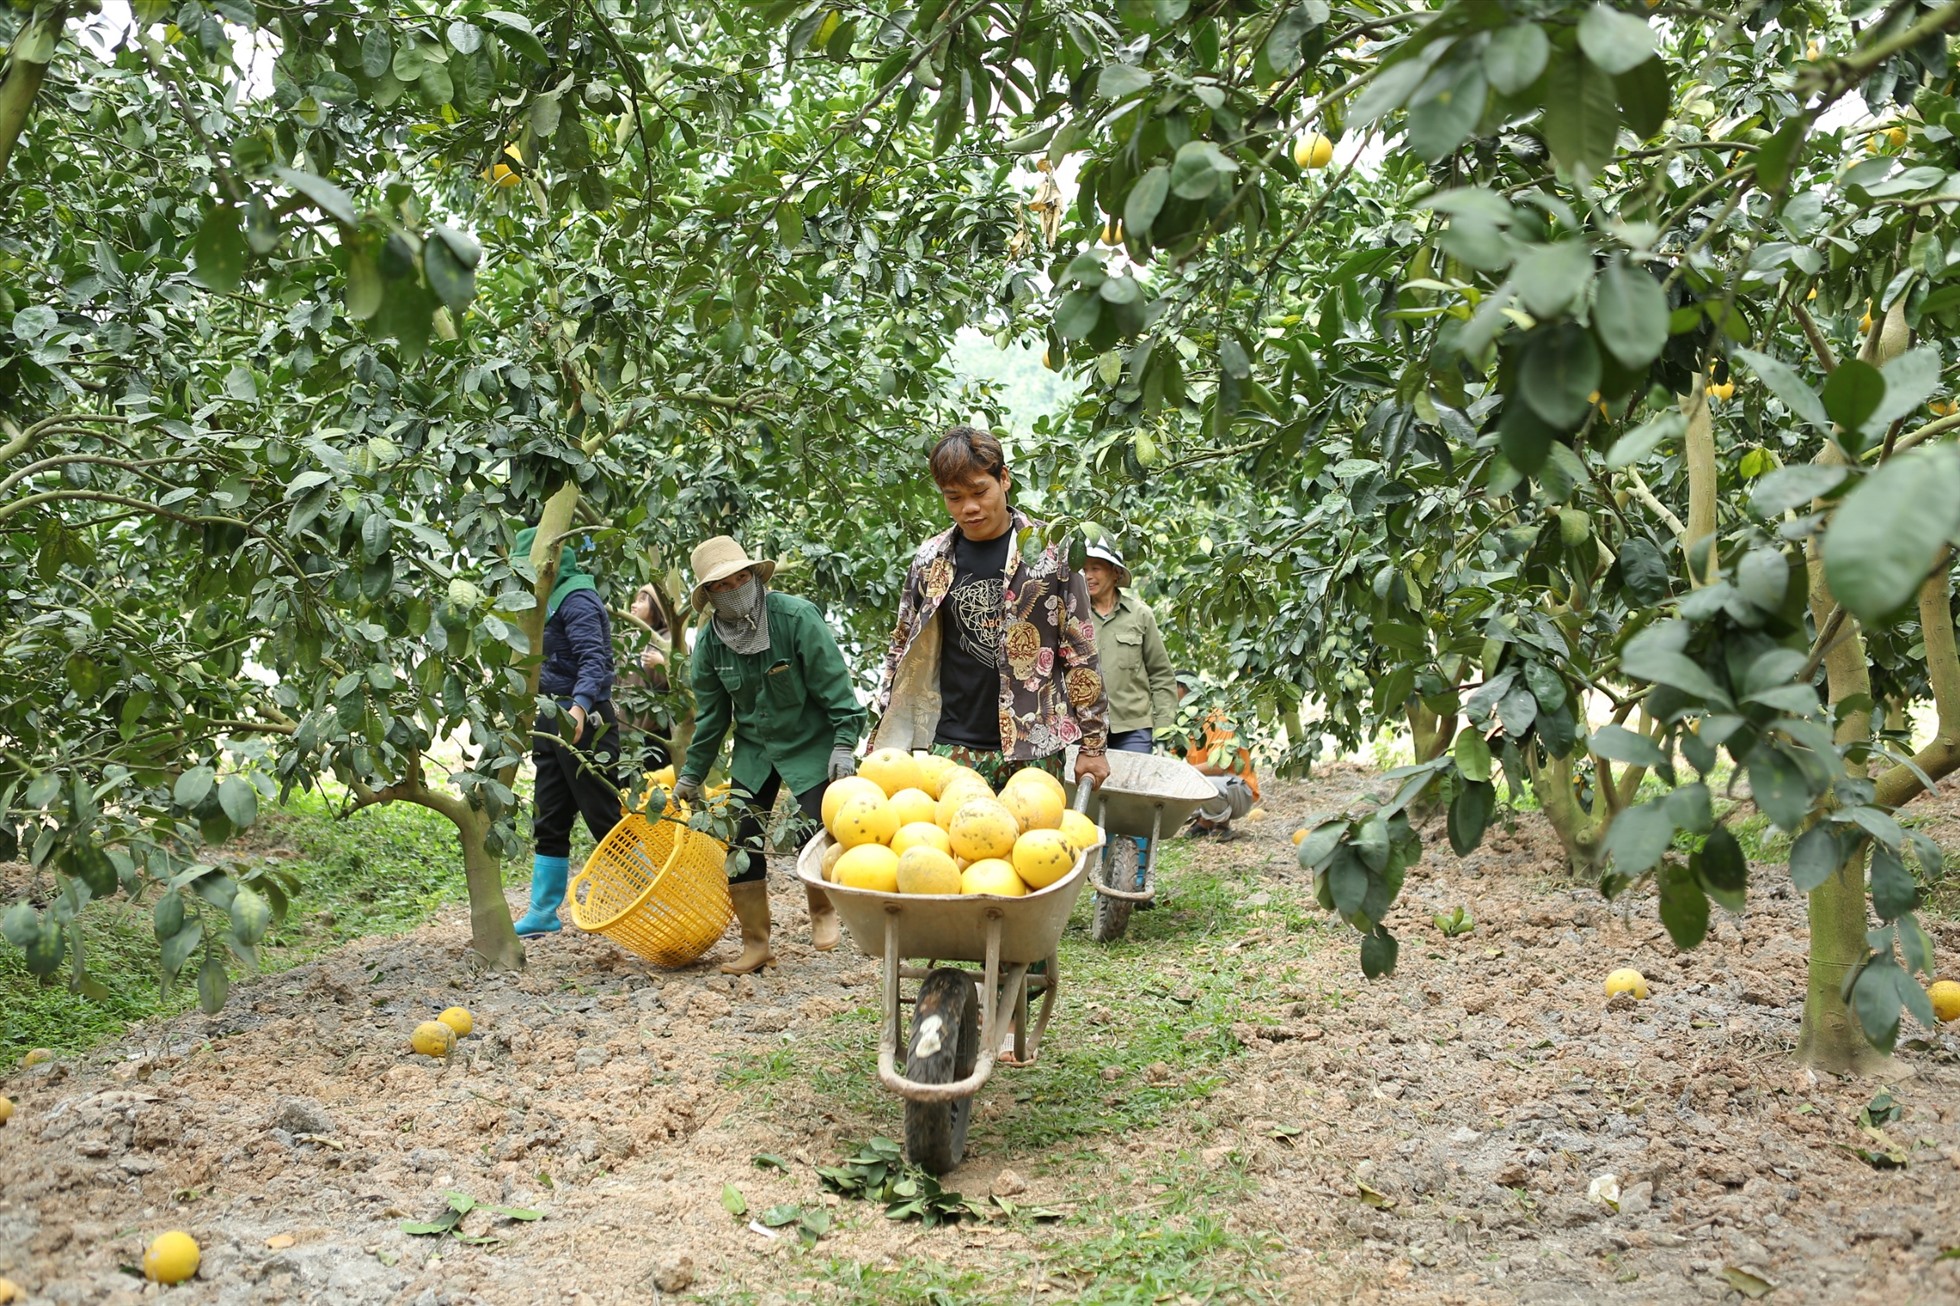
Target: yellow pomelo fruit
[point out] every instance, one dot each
(869, 866)
(1032, 775)
(503, 176)
(1035, 807)
(1626, 980)
(962, 774)
(891, 769)
(6, 1109)
(460, 1020)
(1299, 837)
(957, 794)
(1042, 857)
(925, 869)
(933, 770)
(913, 805)
(983, 828)
(1081, 832)
(921, 834)
(851, 786)
(1946, 999)
(863, 820)
(432, 1038)
(1313, 151)
(992, 875)
(35, 1056)
(830, 856)
(10, 1292)
(171, 1258)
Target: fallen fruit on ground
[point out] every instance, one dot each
(1944, 993)
(35, 1056)
(458, 1019)
(1626, 980)
(10, 1292)
(432, 1038)
(6, 1114)
(1299, 837)
(171, 1258)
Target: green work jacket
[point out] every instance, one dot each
(1136, 670)
(790, 705)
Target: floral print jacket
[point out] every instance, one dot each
(1051, 686)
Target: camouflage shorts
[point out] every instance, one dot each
(993, 767)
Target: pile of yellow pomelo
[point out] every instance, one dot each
(920, 823)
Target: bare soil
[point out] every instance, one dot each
(1443, 1135)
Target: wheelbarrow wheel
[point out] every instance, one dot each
(945, 1044)
(1119, 871)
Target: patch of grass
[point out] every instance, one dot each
(1142, 1258)
(383, 871)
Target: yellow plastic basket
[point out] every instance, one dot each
(656, 888)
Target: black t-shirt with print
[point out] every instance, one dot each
(969, 644)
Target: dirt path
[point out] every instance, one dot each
(1228, 1111)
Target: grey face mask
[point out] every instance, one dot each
(740, 617)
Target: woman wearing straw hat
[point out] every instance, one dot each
(1136, 670)
(768, 666)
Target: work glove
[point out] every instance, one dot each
(843, 762)
(686, 789)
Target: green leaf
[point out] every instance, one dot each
(1584, 121)
(1645, 438)
(1378, 953)
(1614, 41)
(1649, 658)
(1525, 439)
(220, 253)
(1630, 315)
(1078, 314)
(1875, 997)
(1853, 392)
(364, 286)
(516, 31)
(769, 1161)
(1146, 201)
(1199, 169)
(1786, 385)
(1793, 487)
(1684, 907)
(377, 50)
(1724, 871)
(1763, 577)
(1779, 787)
(1779, 154)
(1910, 380)
(329, 198)
(1472, 754)
(239, 800)
(1645, 93)
(1469, 816)
(1560, 373)
(1552, 279)
(733, 1202)
(213, 985)
(1872, 564)
(1894, 891)
(1347, 878)
(1638, 836)
(1515, 57)
(1119, 81)
(1320, 844)
(453, 280)
(1618, 744)
(1441, 123)
(192, 786)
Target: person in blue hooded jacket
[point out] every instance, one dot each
(580, 779)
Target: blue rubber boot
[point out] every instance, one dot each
(548, 876)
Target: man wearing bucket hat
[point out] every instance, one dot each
(767, 666)
(577, 751)
(1136, 670)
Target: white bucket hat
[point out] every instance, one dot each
(1108, 554)
(718, 559)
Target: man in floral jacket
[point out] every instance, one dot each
(994, 658)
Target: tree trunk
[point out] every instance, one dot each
(493, 935)
(1831, 1038)
(26, 73)
(1431, 736)
(1580, 832)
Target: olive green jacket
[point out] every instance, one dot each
(1136, 670)
(790, 705)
